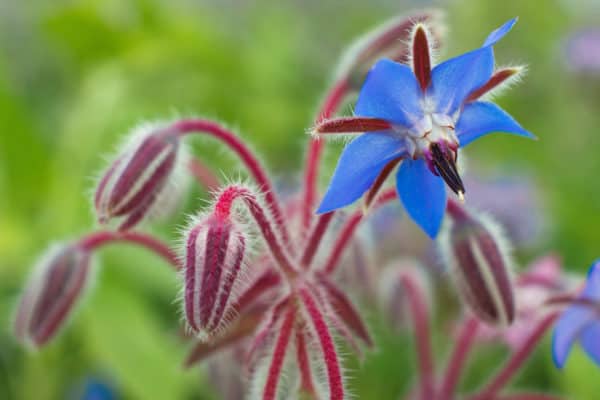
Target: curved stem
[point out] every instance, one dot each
(457, 360)
(420, 316)
(315, 150)
(517, 359)
(190, 126)
(315, 239)
(95, 240)
(347, 232)
(223, 207)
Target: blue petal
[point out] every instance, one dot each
(590, 341)
(453, 80)
(390, 92)
(567, 330)
(592, 282)
(360, 164)
(480, 118)
(499, 33)
(423, 195)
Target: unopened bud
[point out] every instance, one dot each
(389, 40)
(57, 283)
(140, 179)
(214, 259)
(474, 249)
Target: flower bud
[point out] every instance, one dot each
(473, 248)
(214, 260)
(139, 181)
(57, 283)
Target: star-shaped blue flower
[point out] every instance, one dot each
(431, 112)
(581, 321)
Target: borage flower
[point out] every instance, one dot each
(580, 322)
(420, 115)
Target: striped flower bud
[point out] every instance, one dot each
(214, 259)
(141, 180)
(474, 249)
(54, 288)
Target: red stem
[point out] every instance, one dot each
(315, 150)
(306, 383)
(347, 232)
(422, 335)
(95, 240)
(517, 359)
(279, 353)
(457, 360)
(189, 126)
(223, 207)
(203, 174)
(315, 239)
(328, 350)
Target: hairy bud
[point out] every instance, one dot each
(473, 249)
(57, 283)
(140, 177)
(214, 259)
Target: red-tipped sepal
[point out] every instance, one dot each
(474, 249)
(51, 294)
(143, 179)
(214, 263)
(390, 40)
(421, 55)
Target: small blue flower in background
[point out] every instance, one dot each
(581, 321)
(430, 113)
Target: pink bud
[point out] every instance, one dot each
(141, 179)
(214, 260)
(473, 248)
(57, 283)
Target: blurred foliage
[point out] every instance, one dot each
(75, 75)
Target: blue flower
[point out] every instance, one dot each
(581, 321)
(430, 112)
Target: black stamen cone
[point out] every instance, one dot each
(445, 164)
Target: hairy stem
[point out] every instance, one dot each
(347, 232)
(517, 359)
(190, 126)
(315, 238)
(457, 360)
(331, 104)
(420, 316)
(95, 240)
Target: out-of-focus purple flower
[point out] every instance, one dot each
(514, 203)
(51, 294)
(580, 322)
(582, 51)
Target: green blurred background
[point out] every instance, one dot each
(76, 75)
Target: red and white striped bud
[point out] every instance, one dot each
(51, 294)
(214, 267)
(143, 179)
(475, 250)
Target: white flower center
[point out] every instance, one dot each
(432, 128)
